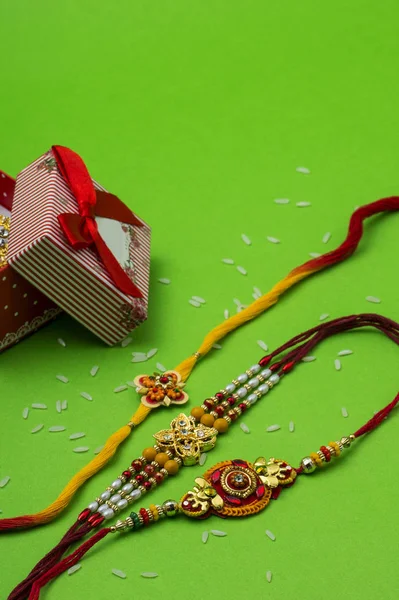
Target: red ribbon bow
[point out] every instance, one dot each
(81, 229)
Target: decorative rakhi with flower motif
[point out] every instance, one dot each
(161, 389)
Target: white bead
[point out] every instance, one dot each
(127, 488)
(266, 373)
(242, 378)
(253, 382)
(263, 388)
(93, 506)
(102, 508)
(108, 514)
(115, 498)
(116, 484)
(135, 494)
(105, 495)
(252, 398)
(122, 503)
(230, 387)
(274, 378)
(241, 392)
(255, 369)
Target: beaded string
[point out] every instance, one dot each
(339, 254)
(219, 411)
(171, 508)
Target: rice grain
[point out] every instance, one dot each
(218, 533)
(152, 352)
(344, 412)
(281, 201)
(199, 299)
(4, 481)
(25, 413)
(77, 436)
(246, 239)
(80, 449)
(164, 280)
(323, 316)
(86, 396)
(126, 342)
(345, 352)
(308, 359)
(194, 303)
(262, 345)
(269, 576)
(120, 388)
(64, 404)
(337, 364)
(226, 313)
(303, 170)
(62, 378)
(39, 406)
(273, 428)
(373, 299)
(94, 370)
(61, 342)
(242, 270)
(119, 573)
(58, 407)
(291, 426)
(244, 427)
(303, 204)
(160, 367)
(37, 428)
(202, 459)
(228, 261)
(56, 428)
(205, 536)
(270, 535)
(326, 237)
(149, 575)
(73, 569)
(273, 240)
(139, 358)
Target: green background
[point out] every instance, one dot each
(197, 114)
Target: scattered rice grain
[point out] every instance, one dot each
(120, 388)
(160, 367)
(323, 316)
(237, 302)
(217, 346)
(269, 576)
(255, 296)
(77, 436)
(137, 358)
(314, 254)
(152, 352)
(337, 364)
(25, 413)
(64, 404)
(205, 536)
(270, 535)
(308, 358)
(126, 342)
(373, 299)
(37, 428)
(194, 303)
(344, 412)
(226, 313)
(273, 240)
(326, 237)
(245, 428)
(164, 280)
(39, 406)
(242, 270)
(246, 239)
(303, 204)
(61, 342)
(62, 378)
(291, 426)
(199, 299)
(149, 575)
(303, 170)
(228, 261)
(58, 407)
(56, 428)
(98, 449)
(218, 533)
(257, 291)
(80, 449)
(94, 370)
(345, 352)
(73, 569)
(119, 573)
(281, 201)
(262, 345)
(86, 396)
(4, 481)
(202, 459)
(273, 428)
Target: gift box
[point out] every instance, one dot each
(80, 245)
(23, 309)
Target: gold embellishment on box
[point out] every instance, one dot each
(48, 163)
(4, 233)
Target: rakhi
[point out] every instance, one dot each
(190, 436)
(165, 389)
(4, 234)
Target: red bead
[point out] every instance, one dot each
(219, 396)
(84, 514)
(139, 478)
(144, 515)
(232, 414)
(219, 410)
(137, 465)
(158, 477)
(231, 400)
(127, 474)
(287, 367)
(274, 367)
(96, 520)
(149, 469)
(164, 379)
(265, 360)
(243, 406)
(326, 453)
(147, 485)
(209, 403)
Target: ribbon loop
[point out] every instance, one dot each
(81, 229)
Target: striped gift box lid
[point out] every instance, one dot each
(76, 280)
